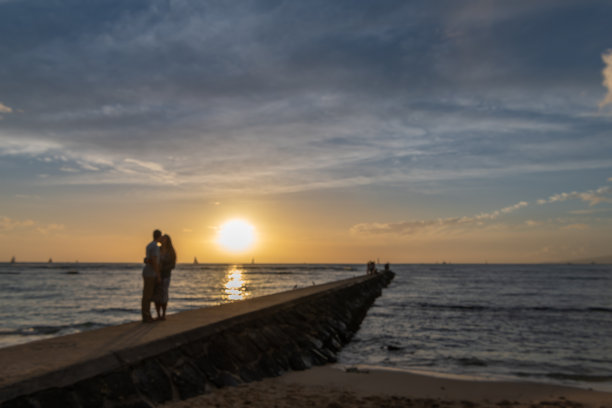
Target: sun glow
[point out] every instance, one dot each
(236, 235)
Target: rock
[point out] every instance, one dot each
(56, 397)
(152, 381)
(21, 402)
(189, 380)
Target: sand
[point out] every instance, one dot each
(336, 386)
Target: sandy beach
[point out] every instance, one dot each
(335, 386)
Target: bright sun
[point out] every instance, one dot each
(236, 235)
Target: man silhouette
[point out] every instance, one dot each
(150, 275)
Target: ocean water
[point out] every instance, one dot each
(550, 323)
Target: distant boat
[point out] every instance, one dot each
(50, 260)
(252, 261)
(13, 260)
(195, 261)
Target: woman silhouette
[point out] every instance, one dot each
(167, 262)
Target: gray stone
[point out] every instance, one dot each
(171, 358)
(152, 381)
(207, 367)
(56, 397)
(249, 374)
(225, 379)
(21, 402)
(300, 362)
(188, 380)
(133, 404)
(258, 339)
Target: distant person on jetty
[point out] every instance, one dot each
(167, 262)
(371, 268)
(150, 275)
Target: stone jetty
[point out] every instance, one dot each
(142, 365)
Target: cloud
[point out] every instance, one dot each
(593, 197)
(497, 213)
(155, 167)
(5, 109)
(8, 224)
(288, 97)
(413, 227)
(607, 78)
(49, 228)
(576, 227)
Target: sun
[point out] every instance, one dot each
(236, 235)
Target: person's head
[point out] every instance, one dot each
(166, 241)
(157, 235)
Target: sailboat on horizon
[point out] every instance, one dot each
(195, 261)
(13, 260)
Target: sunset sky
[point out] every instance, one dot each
(342, 131)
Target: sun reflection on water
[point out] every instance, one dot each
(235, 284)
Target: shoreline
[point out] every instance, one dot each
(337, 386)
(484, 377)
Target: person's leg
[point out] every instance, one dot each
(165, 296)
(147, 295)
(158, 309)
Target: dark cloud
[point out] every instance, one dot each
(312, 90)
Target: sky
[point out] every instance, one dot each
(342, 131)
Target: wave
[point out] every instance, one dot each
(113, 310)
(471, 362)
(280, 272)
(478, 308)
(580, 377)
(568, 377)
(49, 330)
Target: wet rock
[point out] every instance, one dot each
(194, 349)
(133, 404)
(274, 336)
(258, 339)
(225, 379)
(56, 397)
(89, 393)
(115, 386)
(318, 358)
(300, 362)
(152, 381)
(189, 380)
(171, 358)
(207, 367)
(333, 343)
(248, 374)
(221, 356)
(21, 402)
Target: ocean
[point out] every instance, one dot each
(544, 323)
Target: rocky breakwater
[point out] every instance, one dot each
(274, 334)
